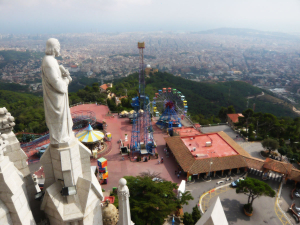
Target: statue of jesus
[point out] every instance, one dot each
(55, 90)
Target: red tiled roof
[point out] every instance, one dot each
(255, 163)
(181, 152)
(235, 117)
(218, 164)
(194, 165)
(197, 165)
(233, 144)
(294, 175)
(104, 86)
(277, 166)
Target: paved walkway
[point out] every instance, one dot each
(117, 168)
(264, 207)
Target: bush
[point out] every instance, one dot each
(244, 133)
(264, 153)
(259, 138)
(248, 208)
(252, 138)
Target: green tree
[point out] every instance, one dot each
(254, 188)
(270, 144)
(247, 118)
(222, 113)
(188, 219)
(151, 201)
(196, 214)
(282, 151)
(183, 200)
(230, 109)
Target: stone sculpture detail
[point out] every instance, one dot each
(124, 208)
(73, 194)
(55, 89)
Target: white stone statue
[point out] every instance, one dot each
(55, 89)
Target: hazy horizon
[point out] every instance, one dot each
(78, 16)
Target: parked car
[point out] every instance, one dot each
(220, 182)
(297, 208)
(297, 194)
(235, 183)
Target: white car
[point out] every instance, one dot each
(235, 183)
(297, 194)
(297, 208)
(220, 182)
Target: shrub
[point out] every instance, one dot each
(248, 208)
(264, 153)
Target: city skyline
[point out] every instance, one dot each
(40, 17)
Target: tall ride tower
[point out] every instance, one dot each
(141, 136)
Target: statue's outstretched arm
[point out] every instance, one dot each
(57, 82)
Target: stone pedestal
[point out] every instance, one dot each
(18, 157)
(13, 196)
(68, 165)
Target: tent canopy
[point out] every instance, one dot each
(124, 112)
(89, 135)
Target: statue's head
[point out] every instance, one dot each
(52, 47)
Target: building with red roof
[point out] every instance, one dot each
(233, 118)
(103, 87)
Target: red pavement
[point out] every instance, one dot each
(117, 168)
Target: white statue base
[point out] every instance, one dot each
(13, 195)
(18, 157)
(68, 165)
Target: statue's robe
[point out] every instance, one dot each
(56, 101)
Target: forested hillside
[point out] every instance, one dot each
(205, 100)
(27, 109)
(203, 97)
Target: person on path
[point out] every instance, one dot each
(178, 175)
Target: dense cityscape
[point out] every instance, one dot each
(267, 60)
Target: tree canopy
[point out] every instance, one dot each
(151, 201)
(254, 188)
(270, 144)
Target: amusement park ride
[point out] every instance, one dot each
(81, 119)
(171, 107)
(142, 131)
(169, 104)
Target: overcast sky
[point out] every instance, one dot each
(76, 16)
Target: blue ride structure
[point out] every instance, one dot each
(142, 132)
(169, 117)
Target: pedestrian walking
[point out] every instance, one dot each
(162, 159)
(178, 175)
